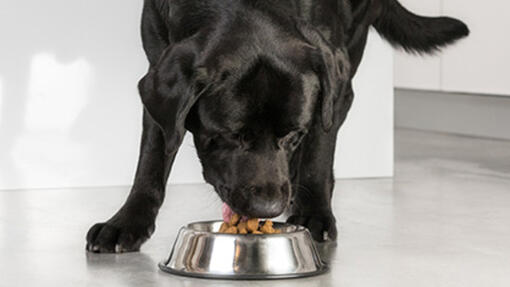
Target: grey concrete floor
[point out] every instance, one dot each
(444, 220)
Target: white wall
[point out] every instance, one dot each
(478, 64)
(365, 145)
(70, 113)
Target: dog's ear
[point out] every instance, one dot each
(332, 67)
(330, 82)
(168, 97)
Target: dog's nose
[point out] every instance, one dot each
(265, 201)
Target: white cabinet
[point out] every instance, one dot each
(477, 64)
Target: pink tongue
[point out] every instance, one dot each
(226, 212)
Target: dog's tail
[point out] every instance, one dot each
(416, 33)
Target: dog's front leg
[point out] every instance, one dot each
(133, 224)
(314, 180)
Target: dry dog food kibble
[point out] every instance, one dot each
(234, 220)
(242, 228)
(250, 226)
(267, 228)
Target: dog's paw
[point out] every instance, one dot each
(321, 226)
(117, 238)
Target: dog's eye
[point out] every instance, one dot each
(244, 137)
(240, 140)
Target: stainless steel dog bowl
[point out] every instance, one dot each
(199, 251)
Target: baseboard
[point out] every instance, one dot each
(466, 114)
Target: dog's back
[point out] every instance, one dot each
(341, 22)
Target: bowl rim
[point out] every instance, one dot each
(187, 227)
(322, 269)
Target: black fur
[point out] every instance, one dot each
(263, 86)
(399, 26)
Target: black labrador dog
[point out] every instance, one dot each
(263, 86)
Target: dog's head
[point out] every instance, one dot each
(248, 116)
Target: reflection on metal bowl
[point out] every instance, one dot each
(200, 251)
